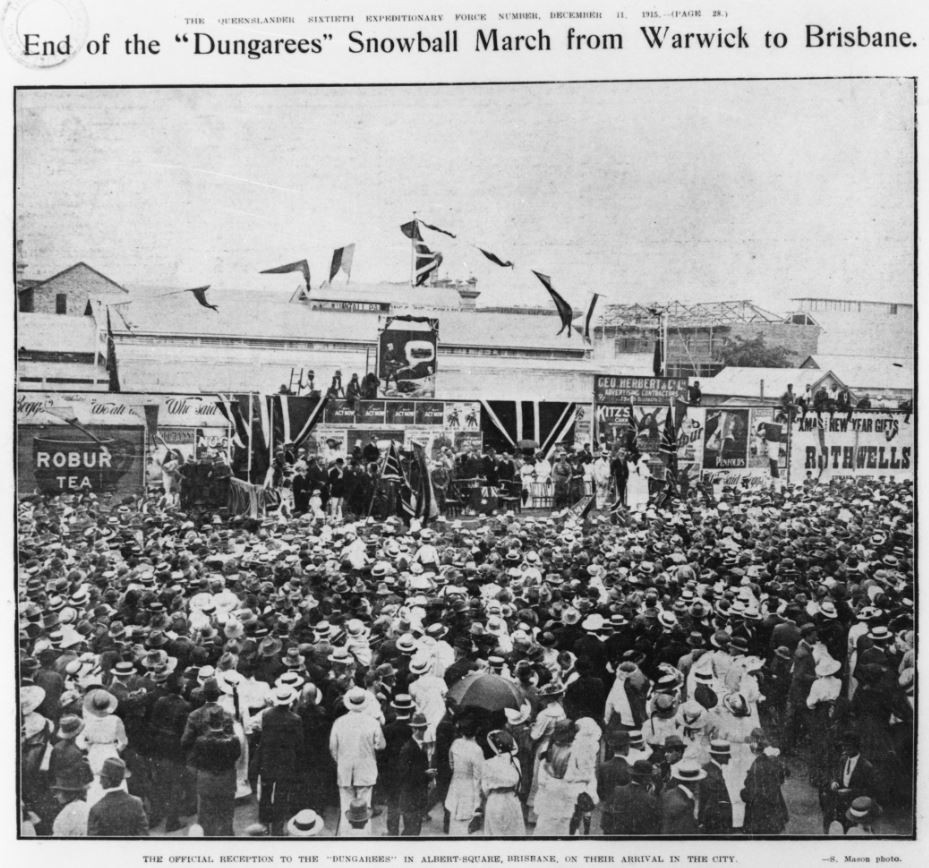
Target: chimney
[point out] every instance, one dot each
(468, 293)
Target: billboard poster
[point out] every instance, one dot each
(55, 462)
(862, 444)
(401, 413)
(638, 390)
(338, 413)
(468, 441)
(331, 443)
(406, 357)
(370, 412)
(725, 443)
(429, 413)
(462, 416)
(765, 458)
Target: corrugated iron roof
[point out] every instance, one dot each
(748, 382)
(269, 316)
(869, 372)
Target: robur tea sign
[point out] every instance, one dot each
(63, 465)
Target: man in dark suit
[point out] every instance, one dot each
(633, 809)
(802, 677)
(679, 801)
(198, 720)
(415, 777)
(117, 814)
(620, 471)
(715, 816)
(169, 776)
(396, 734)
(853, 776)
(586, 695)
(614, 772)
(280, 758)
(214, 757)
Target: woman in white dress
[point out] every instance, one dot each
(464, 792)
(637, 486)
(735, 725)
(234, 704)
(104, 735)
(500, 779)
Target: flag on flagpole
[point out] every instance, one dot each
(436, 229)
(342, 261)
(496, 260)
(391, 468)
(425, 261)
(657, 361)
(200, 295)
(668, 450)
(564, 309)
(590, 315)
(302, 266)
(424, 505)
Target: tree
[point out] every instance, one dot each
(754, 353)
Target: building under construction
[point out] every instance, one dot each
(696, 334)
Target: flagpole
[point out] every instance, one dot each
(664, 343)
(413, 253)
(251, 439)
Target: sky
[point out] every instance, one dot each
(688, 191)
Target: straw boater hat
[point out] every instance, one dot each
(283, 695)
(355, 699)
(862, 810)
(305, 824)
(719, 747)
(687, 771)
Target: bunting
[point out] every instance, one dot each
(302, 266)
(496, 260)
(657, 361)
(589, 318)
(436, 229)
(564, 309)
(342, 261)
(200, 295)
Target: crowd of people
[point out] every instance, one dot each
(645, 670)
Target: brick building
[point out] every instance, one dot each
(67, 293)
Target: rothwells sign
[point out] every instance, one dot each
(859, 444)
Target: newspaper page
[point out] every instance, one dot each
(462, 434)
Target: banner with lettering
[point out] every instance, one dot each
(68, 408)
(610, 389)
(862, 444)
(66, 460)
